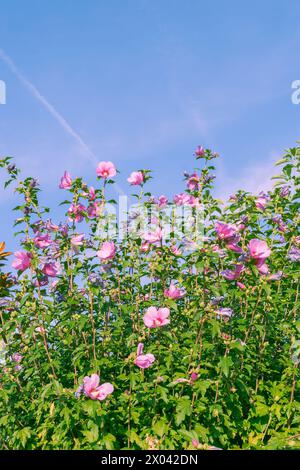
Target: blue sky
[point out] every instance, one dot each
(142, 83)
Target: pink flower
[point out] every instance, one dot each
(40, 329)
(175, 250)
(258, 249)
(195, 443)
(275, 277)
(162, 201)
(262, 267)
(193, 182)
(154, 317)
(224, 312)
(136, 178)
(194, 376)
(49, 225)
(51, 269)
(76, 212)
(199, 152)
(94, 209)
(143, 360)
(232, 244)
(92, 193)
(153, 237)
(107, 251)
(173, 292)
(232, 275)
(17, 357)
(106, 170)
(66, 181)
(77, 240)
(181, 199)
(225, 231)
(42, 240)
(93, 390)
(145, 247)
(261, 201)
(241, 285)
(22, 260)
(180, 380)
(193, 201)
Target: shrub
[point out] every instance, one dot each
(160, 339)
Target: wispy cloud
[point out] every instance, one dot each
(253, 178)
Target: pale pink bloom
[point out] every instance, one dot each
(282, 227)
(162, 201)
(64, 229)
(175, 250)
(224, 312)
(218, 249)
(180, 380)
(199, 152)
(262, 267)
(40, 329)
(261, 202)
(51, 269)
(193, 201)
(191, 380)
(232, 244)
(195, 443)
(154, 317)
(258, 249)
(106, 170)
(53, 285)
(77, 240)
(193, 182)
(145, 247)
(107, 251)
(22, 260)
(285, 191)
(93, 390)
(241, 285)
(143, 360)
(76, 212)
(49, 225)
(225, 231)
(17, 357)
(66, 181)
(275, 277)
(173, 292)
(92, 193)
(94, 209)
(42, 240)
(136, 178)
(153, 237)
(232, 275)
(181, 199)
(294, 253)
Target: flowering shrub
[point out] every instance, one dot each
(185, 338)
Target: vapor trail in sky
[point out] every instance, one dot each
(48, 106)
(51, 109)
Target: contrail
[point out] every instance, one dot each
(51, 109)
(48, 106)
